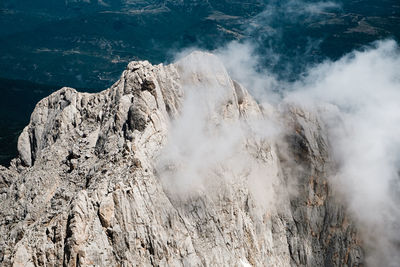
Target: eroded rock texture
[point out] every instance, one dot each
(85, 190)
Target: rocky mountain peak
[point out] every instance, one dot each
(173, 165)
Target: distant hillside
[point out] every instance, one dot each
(87, 43)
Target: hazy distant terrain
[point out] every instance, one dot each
(86, 44)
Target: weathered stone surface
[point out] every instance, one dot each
(85, 191)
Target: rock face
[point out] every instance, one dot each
(89, 188)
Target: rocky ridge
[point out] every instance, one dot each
(87, 189)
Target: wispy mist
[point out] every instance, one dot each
(281, 35)
(357, 98)
(209, 144)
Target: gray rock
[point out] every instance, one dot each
(87, 188)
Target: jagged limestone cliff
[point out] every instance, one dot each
(94, 185)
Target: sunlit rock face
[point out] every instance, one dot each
(173, 165)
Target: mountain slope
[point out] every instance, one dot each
(169, 166)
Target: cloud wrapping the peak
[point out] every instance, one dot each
(358, 99)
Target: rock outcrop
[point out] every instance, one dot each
(89, 189)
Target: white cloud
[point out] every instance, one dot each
(362, 93)
(357, 97)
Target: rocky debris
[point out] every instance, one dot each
(84, 190)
